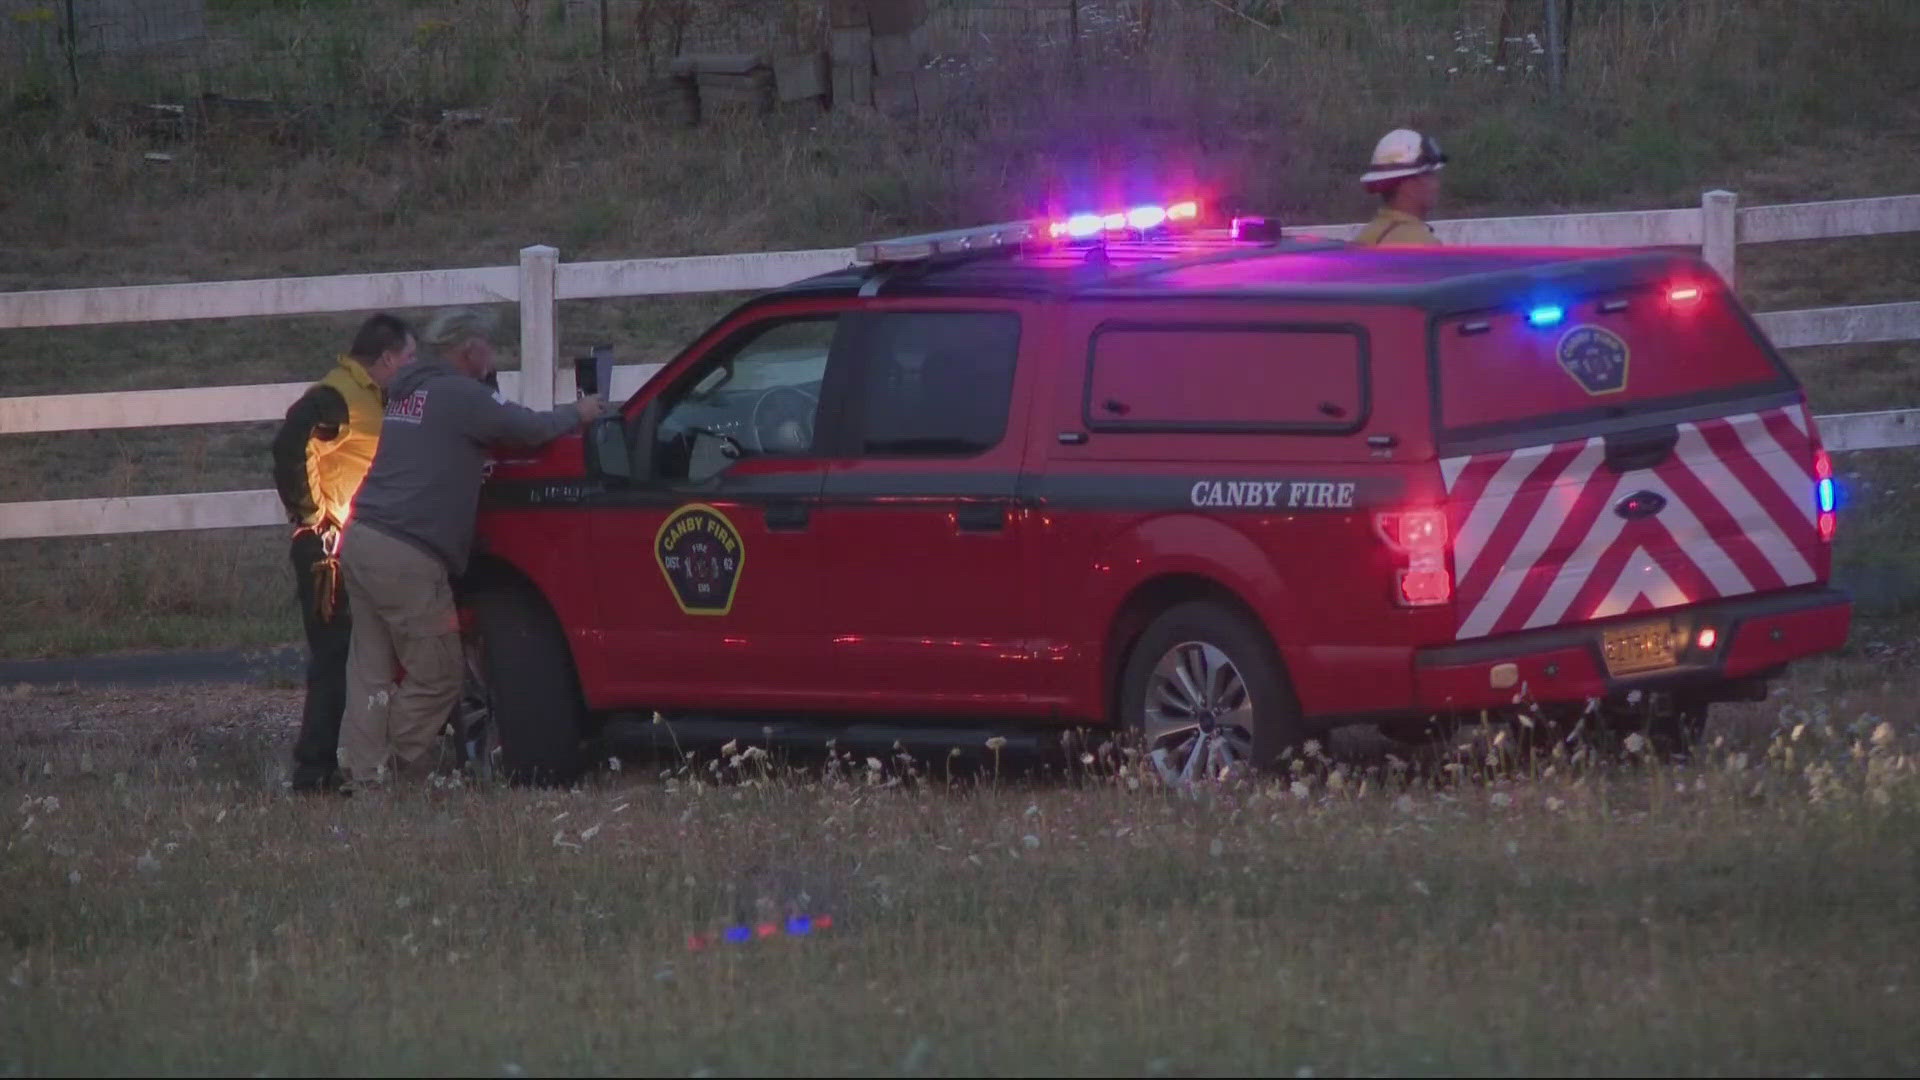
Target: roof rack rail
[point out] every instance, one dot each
(978, 240)
(1145, 234)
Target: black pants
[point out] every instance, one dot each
(314, 753)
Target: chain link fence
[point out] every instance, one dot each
(95, 28)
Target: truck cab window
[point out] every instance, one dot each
(936, 384)
(756, 398)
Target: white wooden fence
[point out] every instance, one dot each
(1716, 227)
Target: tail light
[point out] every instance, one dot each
(1420, 536)
(1823, 493)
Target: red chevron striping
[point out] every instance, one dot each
(1608, 576)
(1721, 524)
(1514, 521)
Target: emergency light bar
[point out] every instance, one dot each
(1139, 222)
(953, 242)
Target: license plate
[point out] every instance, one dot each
(1638, 648)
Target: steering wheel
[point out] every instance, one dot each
(782, 421)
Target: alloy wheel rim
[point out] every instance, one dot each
(1198, 718)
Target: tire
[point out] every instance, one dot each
(1196, 638)
(534, 696)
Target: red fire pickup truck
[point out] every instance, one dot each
(1223, 494)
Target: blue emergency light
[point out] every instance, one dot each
(1546, 315)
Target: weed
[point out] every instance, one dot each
(170, 910)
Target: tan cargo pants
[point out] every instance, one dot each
(403, 614)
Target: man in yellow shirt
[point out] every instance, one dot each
(320, 456)
(1405, 173)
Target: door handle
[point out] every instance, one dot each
(787, 517)
(1641, 449)
(980, 517)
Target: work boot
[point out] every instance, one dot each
(417, 772)
(318, 780)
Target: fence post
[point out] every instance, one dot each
(539, 331)
(1720, 231)
(1556, 56)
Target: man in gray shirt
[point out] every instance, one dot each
(410, 531)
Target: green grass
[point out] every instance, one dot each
(68, 597)
(168, 911)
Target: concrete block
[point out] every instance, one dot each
(717, 63)
(851, 46)
(853, 86)
(895, 16)
(895, 54)
(801, 77)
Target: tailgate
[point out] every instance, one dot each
(1569, 510)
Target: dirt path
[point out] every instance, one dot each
(282, 665)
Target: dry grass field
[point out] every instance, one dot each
(167, 909)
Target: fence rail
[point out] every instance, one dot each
(1717, 227)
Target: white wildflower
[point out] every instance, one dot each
(1031, 841)
(1636, 743)
(1501, 799)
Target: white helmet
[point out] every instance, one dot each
(1403, 153)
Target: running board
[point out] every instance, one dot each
(929, 742)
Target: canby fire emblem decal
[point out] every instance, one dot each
(1595, 357)
(700, 553)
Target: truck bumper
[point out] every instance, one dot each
(1753, 636)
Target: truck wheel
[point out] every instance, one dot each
(533, 705)
(1205, 693)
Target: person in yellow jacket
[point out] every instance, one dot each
(320, 455)
(1405, 173)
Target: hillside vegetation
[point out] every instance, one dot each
(1256, 103)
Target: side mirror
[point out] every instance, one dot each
(594, 374)
(606, 448)
(640, 443)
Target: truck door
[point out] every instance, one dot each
(921, 536)
(718, 598)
